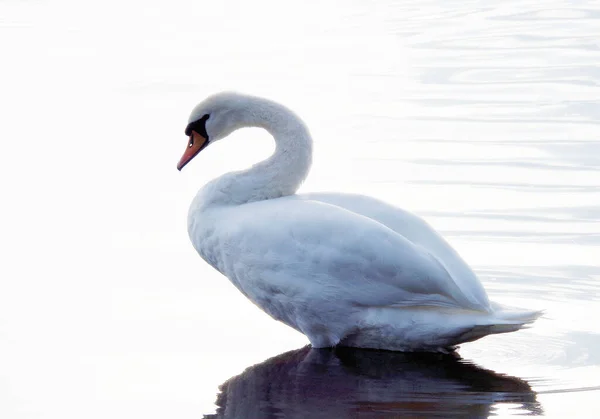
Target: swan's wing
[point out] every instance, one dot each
(413, 228)
(312, 250)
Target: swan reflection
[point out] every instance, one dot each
(351, 383)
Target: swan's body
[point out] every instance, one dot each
(342, 269)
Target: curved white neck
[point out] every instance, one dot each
(279, 175)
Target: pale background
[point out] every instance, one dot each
(482, 116)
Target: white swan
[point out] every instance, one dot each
(342, 269)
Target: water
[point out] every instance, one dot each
(480, 116)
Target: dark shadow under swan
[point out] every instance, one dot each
(358, 383)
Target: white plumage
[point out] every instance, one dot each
(342, 269)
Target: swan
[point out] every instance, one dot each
(342, 269)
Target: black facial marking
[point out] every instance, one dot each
(199, 126)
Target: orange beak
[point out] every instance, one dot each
(195, 145)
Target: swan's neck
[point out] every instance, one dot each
(279, 175)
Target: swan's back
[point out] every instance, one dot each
(414, 229)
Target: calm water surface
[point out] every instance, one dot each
(482, 117)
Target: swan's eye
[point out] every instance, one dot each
(199, 126)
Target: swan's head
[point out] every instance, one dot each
(211, 120)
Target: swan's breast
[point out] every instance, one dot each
(220, 239)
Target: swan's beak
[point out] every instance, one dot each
(195, 145)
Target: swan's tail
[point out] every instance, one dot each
(502, 320)
(513, 314)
